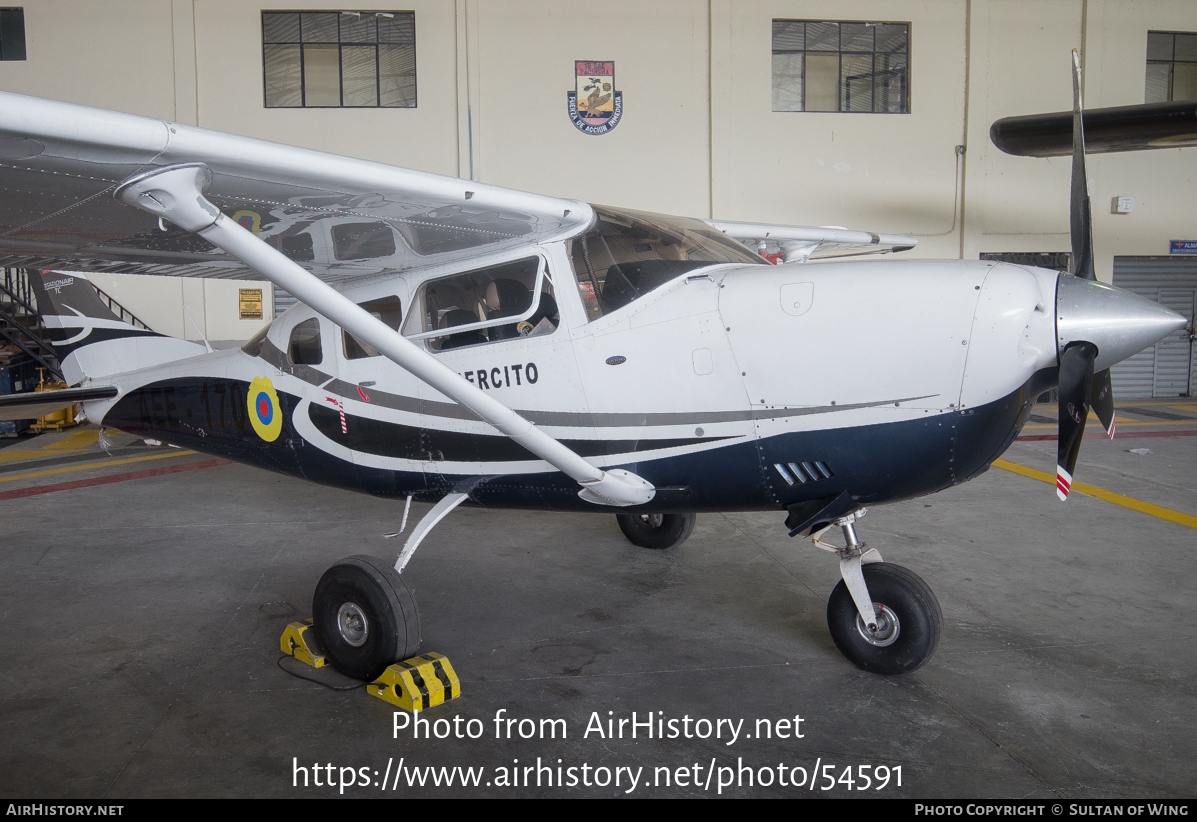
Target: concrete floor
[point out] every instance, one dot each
(140, 623)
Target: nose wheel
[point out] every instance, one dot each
(881, 616)
(907, 627)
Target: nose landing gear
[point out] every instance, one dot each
(884, 618)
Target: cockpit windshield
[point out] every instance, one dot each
(627, 254)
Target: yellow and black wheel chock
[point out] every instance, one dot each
(299, 641)
(415, 684)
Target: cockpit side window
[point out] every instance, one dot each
(627, 254)
(387, 309)
(484, 298)
(304, 346)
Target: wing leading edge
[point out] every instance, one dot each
(336, 216)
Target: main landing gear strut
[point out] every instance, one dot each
(365, 617)
(882, 617)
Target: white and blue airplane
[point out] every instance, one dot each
(457, 342)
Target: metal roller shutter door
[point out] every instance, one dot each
(282, 301)
(1161, 369)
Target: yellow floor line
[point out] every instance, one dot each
(1101, 493)
(48, 472)
(80, 439)
(9, 455)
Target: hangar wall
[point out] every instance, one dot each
(187, 308)
(1019, 203)
(698, 134)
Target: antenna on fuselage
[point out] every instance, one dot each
(207, 344)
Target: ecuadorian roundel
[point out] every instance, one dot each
(264, 411)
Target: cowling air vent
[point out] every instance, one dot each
(803, 472)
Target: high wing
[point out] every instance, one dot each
(1107, 130)
(60, 163)
(800, 243)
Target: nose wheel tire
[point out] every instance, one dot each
(364, 617)
(656, 530)
(909, 621)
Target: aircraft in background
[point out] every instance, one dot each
(462, 343)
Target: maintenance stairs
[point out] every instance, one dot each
(21, 325)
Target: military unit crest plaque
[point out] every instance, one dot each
(595, 107)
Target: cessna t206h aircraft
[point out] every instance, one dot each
(462, 343)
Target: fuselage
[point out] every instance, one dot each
(729, 387)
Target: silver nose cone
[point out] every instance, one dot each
(1119, 323)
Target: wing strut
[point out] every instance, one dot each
(177, 194)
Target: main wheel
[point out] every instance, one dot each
(656, 530)
(364, 617)
(908, 628)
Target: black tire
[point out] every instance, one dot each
(904, 595)
(381, 623)
(656, 530)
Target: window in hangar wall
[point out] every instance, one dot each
(339, 59)
(1171, 66)
(841, 66)
(12, 34)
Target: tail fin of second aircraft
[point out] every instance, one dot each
(89, 339)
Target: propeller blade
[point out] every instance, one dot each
(1076, 383)
(1080, 221)
(1101, 400)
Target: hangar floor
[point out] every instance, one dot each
(141, 607)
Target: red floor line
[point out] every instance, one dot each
(131, 475)
(1127, 436)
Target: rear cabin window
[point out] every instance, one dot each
(362, 241)
(486, 296)
(304, 346)
(296, 247)
(627, 254)
(387, 309)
